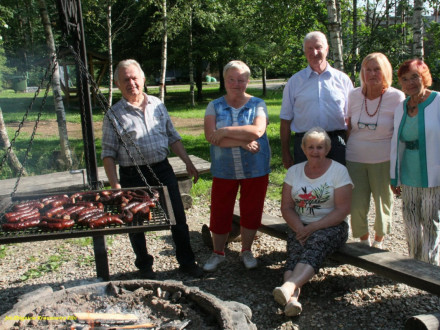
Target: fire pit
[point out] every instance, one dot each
(136, 304)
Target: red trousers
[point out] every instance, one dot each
(223, 195)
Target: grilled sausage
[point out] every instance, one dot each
(16, 216)
(130, 206)
(127, 216)
(142, 206)
(92, 217)
(54, 211)
(50, 199)
(59, 202)
(30, 204)
(66, 224)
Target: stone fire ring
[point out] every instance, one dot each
(229, 314)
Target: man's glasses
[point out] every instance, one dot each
(364, 125)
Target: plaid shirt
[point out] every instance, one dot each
(150, 128)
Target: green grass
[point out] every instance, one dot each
(3, 251)
(51, 265)
(44, 148)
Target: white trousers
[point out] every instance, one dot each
(421, 208)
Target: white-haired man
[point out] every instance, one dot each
(145, 119)
(315, 96)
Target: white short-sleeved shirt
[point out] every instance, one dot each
(311, 99)
(314, 198)
(371, 146)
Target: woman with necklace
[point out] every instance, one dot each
(315, 204)
(415, 161)
(370, 128)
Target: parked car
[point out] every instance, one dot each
(169, 78)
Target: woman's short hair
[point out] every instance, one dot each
(315, 35)
(385, 67)
(239, 65)
(316, 132)
(421, 68)
(126, 64)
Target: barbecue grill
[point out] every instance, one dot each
(161, 218)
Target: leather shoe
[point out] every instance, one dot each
(147, 273)
(192, 270)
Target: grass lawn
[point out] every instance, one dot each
(41, 156)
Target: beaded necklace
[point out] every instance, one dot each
(378, 106)
(377, 109)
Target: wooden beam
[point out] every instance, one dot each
(392, 265)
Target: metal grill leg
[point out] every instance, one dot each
(101, 259)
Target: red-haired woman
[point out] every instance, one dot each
(415, 160)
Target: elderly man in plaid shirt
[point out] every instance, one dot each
(145, 120)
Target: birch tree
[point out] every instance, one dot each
(11, 158)
(164, 54)
(56, 86)
(110, 52)
(334, 22)
(418, 29)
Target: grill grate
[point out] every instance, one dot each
(161, 219)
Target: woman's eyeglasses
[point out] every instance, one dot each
(364, 125)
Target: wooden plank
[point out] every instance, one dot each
(74, 181)
(399, 268)
(105, 317)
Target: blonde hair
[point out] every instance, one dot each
(316, 132)
(385, 67)
(239, 65)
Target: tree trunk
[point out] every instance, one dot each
(164, 52)
(387, 13)
(191, 64)
(110, 52)
(355, 49)
(263, 74)
(221, 78)
(418, 29)
(199, 78)
(335, 33)
(56, 87)
(12, 159)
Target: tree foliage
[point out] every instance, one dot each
(265, 34)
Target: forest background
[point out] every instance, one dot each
(184, 41)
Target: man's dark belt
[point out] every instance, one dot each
(331, 134)
(412, 145)
(127, 168)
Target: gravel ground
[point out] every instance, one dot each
(339, 297)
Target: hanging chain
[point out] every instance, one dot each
(20, 125)
(54, 56)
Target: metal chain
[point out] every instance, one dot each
(20, 125)
(54, 56)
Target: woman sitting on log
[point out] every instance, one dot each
(315, 203)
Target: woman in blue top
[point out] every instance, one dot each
(235, 125)
(415, 160)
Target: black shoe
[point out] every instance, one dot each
(147, 273)
(192, 270)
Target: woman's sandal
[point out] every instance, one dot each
(281, 295)
(293, 308)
